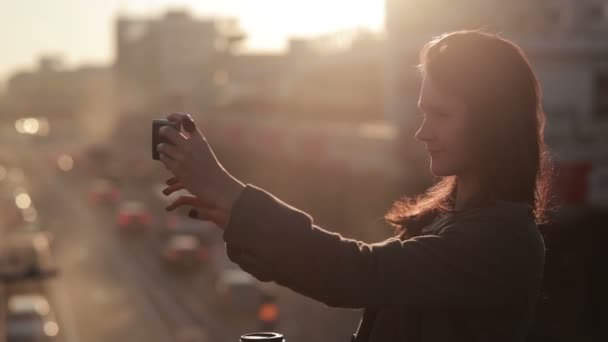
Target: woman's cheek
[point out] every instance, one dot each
(456, 151)
(463, 152)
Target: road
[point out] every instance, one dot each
(115, 288)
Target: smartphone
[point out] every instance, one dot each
(157, 138)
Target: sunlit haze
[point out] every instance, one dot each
(82, 30)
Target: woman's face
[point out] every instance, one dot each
(443, 130)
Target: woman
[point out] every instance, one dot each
(466, 261)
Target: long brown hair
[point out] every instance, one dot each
(494, 78)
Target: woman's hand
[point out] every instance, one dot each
(196, 168)
(201, 210)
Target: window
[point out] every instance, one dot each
(600, 95)
(594, 13)
(536, 18)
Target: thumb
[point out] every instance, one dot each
(216, 216)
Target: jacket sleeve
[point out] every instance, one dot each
(468, 265)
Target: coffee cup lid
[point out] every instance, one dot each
(262, 336)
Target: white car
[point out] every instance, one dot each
(185, 252)
(206, 231)
(29, 318)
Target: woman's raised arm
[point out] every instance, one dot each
(473, 262)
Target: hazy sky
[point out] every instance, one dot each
(82, 30)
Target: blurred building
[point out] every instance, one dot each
(169, 63)
(62, 95)
(55, 91)
(338, 78)
(178, 62)
(251, 84)
(335, 77)
(320, 103)
(566, 43)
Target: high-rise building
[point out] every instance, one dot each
(170, 60)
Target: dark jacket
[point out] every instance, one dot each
(473, 276)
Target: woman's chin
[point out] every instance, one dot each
(439, 171)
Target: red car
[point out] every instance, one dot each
(185, 251)
(104, 192)
(133, 216)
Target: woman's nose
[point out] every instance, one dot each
(424, 133)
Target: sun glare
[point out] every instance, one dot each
(267, 21)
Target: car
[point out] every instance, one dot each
(245, 297)
(104, 192)
(25, 251)
(239, 290)
(206, 231)
(29, 318)
(133, 216)
(268, 311)
(185, 252)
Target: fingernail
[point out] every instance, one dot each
(188, 124)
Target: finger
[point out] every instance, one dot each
(169, 150)
(169, 163)
(189, 125)
(210, 214)
(184, 200)
(186, 120)
(171, 134)
(173, 188)
(172, 181)
(206, 214)
(179, 116)
(193, 213)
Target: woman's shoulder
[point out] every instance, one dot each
(500, 217)
(501, 225)
(498, 210)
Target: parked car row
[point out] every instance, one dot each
(25, 263)
(30, 319)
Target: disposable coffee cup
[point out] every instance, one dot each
(263, 336)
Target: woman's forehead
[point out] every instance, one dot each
(432, 98)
